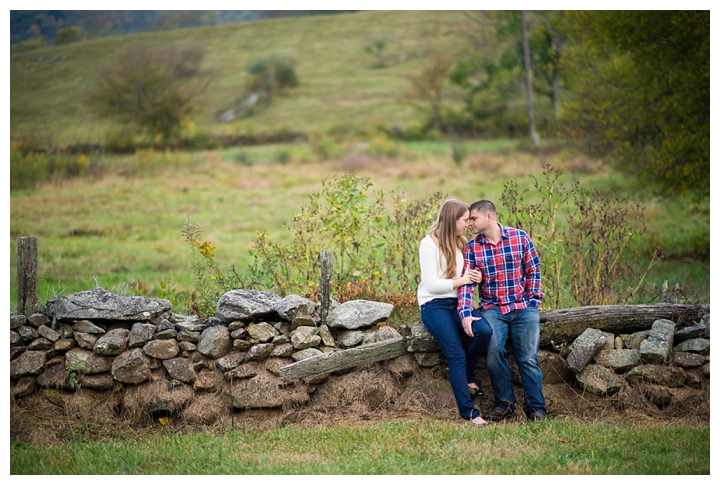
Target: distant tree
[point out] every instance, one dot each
(377, 49)
(271, 74)
(66, 36)
(640, 94)
(153, 89)
(428, 90)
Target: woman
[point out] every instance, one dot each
(441, 274)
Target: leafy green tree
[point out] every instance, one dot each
(429, 90)
(640, 94)
(271, 74)
(68, 35)
(153, 89)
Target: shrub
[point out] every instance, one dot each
(151, 89)
(28, 45)
(68, 35)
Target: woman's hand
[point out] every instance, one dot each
(474, 276)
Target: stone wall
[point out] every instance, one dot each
(161, 362)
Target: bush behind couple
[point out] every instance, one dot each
(504, 266)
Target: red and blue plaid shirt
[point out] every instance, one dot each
(510, 269)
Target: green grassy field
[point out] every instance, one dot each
(337, 83)
(118, 231)
(427, 447)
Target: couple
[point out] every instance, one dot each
(503, 262)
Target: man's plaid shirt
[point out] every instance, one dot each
(511, 273)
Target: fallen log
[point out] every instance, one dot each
(344, 359)
(566, 324)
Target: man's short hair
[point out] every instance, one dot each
(483, 206)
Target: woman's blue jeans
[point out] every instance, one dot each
(523, 328)
(441, 318)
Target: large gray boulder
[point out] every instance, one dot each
(215, 342)
(100, 304)
(293, 306)
(30, 363)
(132, 367)
(584, 348)
(355, 314)
(656, 348)
(246, 305)
(86, 362)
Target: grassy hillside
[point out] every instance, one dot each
(337, 83)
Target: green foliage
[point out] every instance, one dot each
(271, 74)
(152, 89)
(210, 281)
(28, 45)
(429, 91)
(640, 94)
(377, 50)
(29, 169)
(68, 35)
(373, 251)
(595, 256)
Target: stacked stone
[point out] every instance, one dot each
(97, 339)
(664, 356)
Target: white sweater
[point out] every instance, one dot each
(433, 283)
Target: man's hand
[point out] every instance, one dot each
(467, 325)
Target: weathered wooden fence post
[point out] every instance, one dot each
(326, 269)
(27, 264)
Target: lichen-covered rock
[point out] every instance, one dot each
(305, 337)
(282, 350)
(48, 333)
(29, 363)
(294, 305)
(386, 333)
(584, 348)
(37, 320)
(421, 339)
(180, 369)
(634, 340)
(262, 332)
(259, 352)
(100, 304)
(350, 338)
(99, 382)
(303, 321)
(326, 336)
(140, 334)
(599, 380)
(244, 371)
(27, 333)
(86, 326)
(656, 348)
(162, 349)
(230, 361)
(695, 345)
(85, 340)
(114, 342)
(40, 343)
(355, 314)
(618, 360)
(17, 320)
(131, 367)
(86, 362)
(687, 360)
(246, 304)
(214, 342)
(306, 354)
(656, 374)
(267, 391)
(687, 333)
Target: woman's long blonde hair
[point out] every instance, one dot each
(443, 232)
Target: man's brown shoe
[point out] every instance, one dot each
(499, 413)
(536, 416)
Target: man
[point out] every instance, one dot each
(510, 296)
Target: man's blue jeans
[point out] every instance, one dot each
(462, 352)
(523, 328)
